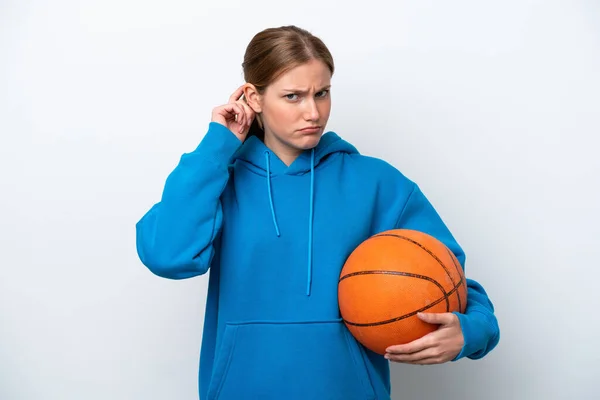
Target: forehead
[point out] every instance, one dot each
(311, 75)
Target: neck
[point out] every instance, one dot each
(285, 153)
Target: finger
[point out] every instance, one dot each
(414, 357)
(241, 118)
(237, 94)
(248, 112)
(414, 346)
(425, 361)
(232, 109)
(236, 111)
(437, 318)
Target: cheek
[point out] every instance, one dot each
(283, 115)
(324, 109)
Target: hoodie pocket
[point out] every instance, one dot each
(307, 360)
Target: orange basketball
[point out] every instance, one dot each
(392, 276)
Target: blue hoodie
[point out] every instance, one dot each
(274, 238)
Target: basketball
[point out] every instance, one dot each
(392, 276)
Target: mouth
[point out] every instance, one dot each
(310, 129)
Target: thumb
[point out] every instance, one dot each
(435, 318)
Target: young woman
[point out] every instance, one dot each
(272, 204)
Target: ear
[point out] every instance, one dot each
(253, 98)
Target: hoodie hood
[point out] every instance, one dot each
(263, 161)
(253, 152)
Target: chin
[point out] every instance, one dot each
(308, 142)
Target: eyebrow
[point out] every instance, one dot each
(306, 91)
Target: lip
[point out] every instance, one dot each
(310, 129)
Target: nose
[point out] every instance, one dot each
(311, 111)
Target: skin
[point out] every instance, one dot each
(297, 99)
(437, 347)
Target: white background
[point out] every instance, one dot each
(492, 107)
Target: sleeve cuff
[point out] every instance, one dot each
(480, 335)
(219, 144)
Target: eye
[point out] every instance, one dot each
(287, 96)
(323, 93)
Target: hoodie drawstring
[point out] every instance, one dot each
(270, 192)
(310, 221)
(311, 215)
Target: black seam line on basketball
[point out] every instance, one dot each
(385, 272)
(459, 274)
(428, 252)
(461, 282)
(389, 321)
(425, 249)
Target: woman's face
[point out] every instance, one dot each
(295, 109)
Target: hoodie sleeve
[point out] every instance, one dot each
(479, 324)
(175, 238)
